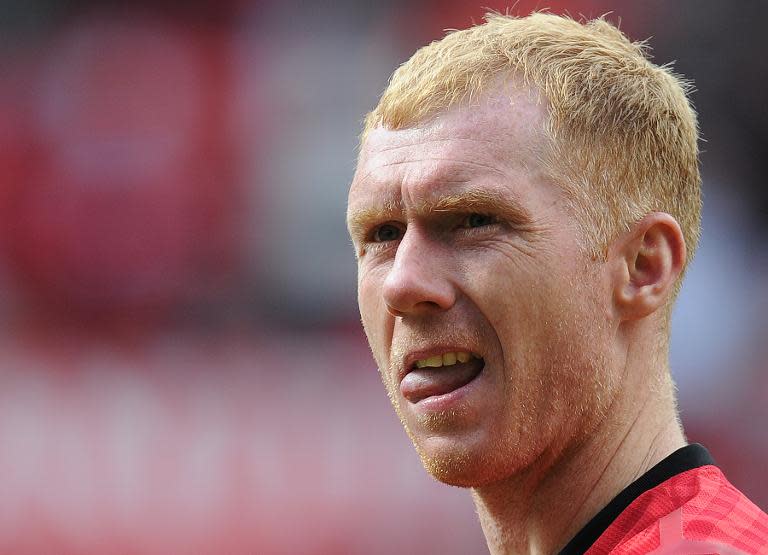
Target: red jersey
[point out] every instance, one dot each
(682, 506)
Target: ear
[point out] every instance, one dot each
(647, 261)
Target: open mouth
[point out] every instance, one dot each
(440, 374)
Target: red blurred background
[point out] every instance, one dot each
(182, 368)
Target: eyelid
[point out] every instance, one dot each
(369, 237)
(494, 219)
(368, 245)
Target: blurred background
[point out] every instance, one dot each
(182, 368)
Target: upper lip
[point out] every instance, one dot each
(409, 362)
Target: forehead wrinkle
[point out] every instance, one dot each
(441, 171)
(419, 143)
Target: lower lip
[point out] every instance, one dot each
(447, 401)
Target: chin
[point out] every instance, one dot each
(478, 457)
(452, 471)
(461, 464)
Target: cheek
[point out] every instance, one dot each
(544, 316)
(517, 301)
(374, 316)
(574, 356)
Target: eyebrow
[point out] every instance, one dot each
(358, 221)
(479, 201)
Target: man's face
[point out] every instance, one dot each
(488, 321)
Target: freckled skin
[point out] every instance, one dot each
(524, 295)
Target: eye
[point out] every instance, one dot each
(478, 220)
(386, 232)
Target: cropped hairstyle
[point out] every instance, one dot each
(622, 137)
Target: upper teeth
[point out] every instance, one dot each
(446, 359)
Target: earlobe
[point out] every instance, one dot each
(648, 260)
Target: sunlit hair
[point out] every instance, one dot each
(622, 135)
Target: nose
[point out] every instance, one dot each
(418, 281)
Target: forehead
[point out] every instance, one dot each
(496, 136)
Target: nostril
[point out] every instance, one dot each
(418, 306)
(394, 312)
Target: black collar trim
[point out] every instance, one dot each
(686, 458)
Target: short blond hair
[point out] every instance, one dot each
(623, 135)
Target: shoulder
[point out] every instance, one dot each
(696, 511)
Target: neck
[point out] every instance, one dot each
(541, 509)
